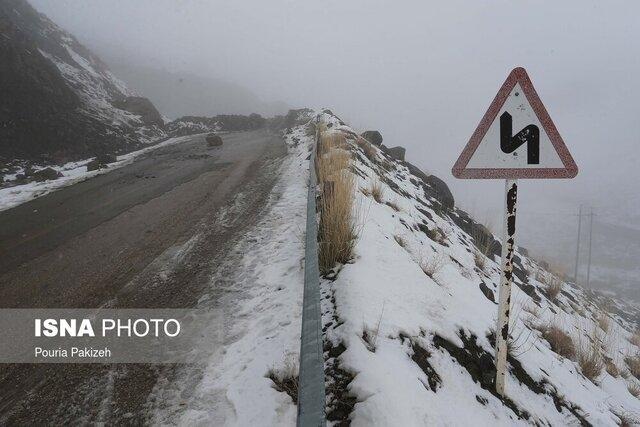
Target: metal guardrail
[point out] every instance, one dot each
(311, 392)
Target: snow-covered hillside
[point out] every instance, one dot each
(409, 323)
(61, 101)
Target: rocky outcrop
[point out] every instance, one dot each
(397, 152)
(141, 107)
(373, 136)
(441, 190)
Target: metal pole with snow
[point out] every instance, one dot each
(504, 299)
(536, 150)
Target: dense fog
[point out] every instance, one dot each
(423, 73)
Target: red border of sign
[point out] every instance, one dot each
(517, 75)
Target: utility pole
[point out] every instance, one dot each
(575, 273)
(590, 238)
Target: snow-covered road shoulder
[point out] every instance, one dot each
(72, 173)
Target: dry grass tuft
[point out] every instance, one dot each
(635, 339)
(604, 322)
(393, 205)
(432, 265)
(376, 191)
(612, 369)
(559, 340)
(633, 362)
(590, 357)
(286, 379)
(483, 242)
(553, 288)
(634, 389)
(400, 241)
(338, 220)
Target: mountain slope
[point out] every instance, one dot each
(410, 321)
(184, 94)
(60, 102)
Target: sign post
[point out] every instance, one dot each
(536, 150)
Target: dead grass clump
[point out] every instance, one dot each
(589, 356)
(634, 389)
(635, 339)
(628, 419)
(560, 341)
(479, 259)
(533, 309)
(432, 265)
(393, 205)
(337, 231)
(286, 379)
(604, 321)
(400, 240)
(553, 288)
(633, 362)
(483, 240)
(376, 191)
(612, 369)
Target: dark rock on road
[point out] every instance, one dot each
(46, 174)
(213, 140)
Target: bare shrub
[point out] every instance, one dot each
(634, 389)
(635, 338)
(589, 356)
(625, 374)
(432, 265)
(338, 220)
(559, 340)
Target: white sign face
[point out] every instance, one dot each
(492, 154)
(516, 138)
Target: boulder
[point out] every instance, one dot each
(397, 152)
(46, 174)
(373, 136)
(441, 191)
(213, 140)
(95, 164)
(140, 107)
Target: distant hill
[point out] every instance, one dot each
(60, 101)
(182, 94)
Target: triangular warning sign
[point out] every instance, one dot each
(516, 138)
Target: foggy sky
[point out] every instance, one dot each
(423, 73)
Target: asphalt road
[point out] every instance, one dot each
(114, 241)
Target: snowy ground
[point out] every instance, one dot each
(72, 172)
(409, 337)
(259, 289)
